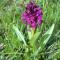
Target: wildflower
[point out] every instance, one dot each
(32, 16)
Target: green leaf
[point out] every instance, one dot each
(45, 39)
(30, 34)
(46, 36)
(19, 34)
(49, 33)
(35, 37)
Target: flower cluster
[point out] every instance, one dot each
(32, 16)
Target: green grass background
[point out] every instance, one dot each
(12, 46)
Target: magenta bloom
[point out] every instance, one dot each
(32, 16)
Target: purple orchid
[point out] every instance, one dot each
(32, 16)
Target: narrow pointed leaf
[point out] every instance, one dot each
(19, 34)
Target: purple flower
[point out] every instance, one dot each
(32, 16)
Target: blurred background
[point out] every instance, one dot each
(12, 47)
